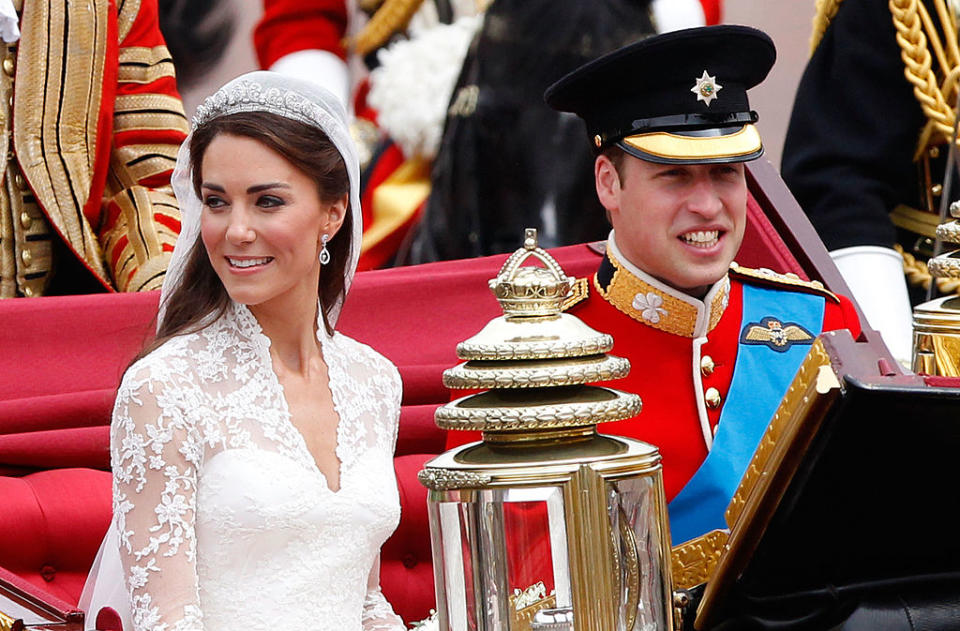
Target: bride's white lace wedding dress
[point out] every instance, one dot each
(236, 527)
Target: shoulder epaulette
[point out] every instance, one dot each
(579, 292)
(764, 276)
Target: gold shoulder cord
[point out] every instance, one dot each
(391, 17)
(915, 30)
(826, 9)
(936, 92)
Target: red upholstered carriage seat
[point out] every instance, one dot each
(61, 360)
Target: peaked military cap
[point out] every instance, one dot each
(675, 98)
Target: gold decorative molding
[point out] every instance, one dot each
(446, 480)
(534, 375)
(579, 292)
(602, 343)
(946, 266)
(624, 405)
(694, 561)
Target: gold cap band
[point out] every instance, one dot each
(744, 144)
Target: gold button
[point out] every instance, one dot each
(8, 66)
(706, 366)
(934, 152)
(20, 182)
(28, 292)
(936, 189)
(25, 220)
(26, 257)
(715, 428)
(712, 397)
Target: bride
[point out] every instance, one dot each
(252, 444)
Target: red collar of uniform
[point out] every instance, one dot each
(650, 302)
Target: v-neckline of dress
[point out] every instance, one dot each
(267, 363)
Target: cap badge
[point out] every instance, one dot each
(706, 88)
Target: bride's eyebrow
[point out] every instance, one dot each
(265, 187)
(253, 189)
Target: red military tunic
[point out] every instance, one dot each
(682, 352)
(93, 123)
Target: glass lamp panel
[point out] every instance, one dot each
(536, 541)
(450, 543)
(494, 546)
(637, 530)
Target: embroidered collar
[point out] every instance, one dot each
(651, 302)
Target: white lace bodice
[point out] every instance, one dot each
(223, 519)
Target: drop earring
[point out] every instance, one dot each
(324, 252)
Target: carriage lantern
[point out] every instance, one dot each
(545, 524)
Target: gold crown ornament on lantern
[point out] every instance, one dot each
(535, 348)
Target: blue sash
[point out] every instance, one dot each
(760, 379)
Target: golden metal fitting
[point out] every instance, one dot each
(8, 623)
(536, 374)
(706, 366)
(936, 337)
(527, 290)
(946, 266)
(955, 209)
(713, 398)
(500, 411)
(949, 232)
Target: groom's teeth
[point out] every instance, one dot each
(701, 238)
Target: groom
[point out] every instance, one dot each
(713, 346)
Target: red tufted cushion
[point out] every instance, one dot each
(52, 524)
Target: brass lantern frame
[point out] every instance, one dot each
(594, 573)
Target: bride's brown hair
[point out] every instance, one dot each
(200, 298)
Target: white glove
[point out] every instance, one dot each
(321, 67)
(9, 22)
(875, 276)
(673, 15)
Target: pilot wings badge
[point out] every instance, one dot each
(773, 333)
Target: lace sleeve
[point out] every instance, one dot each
(378, 615)
(155, 457)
